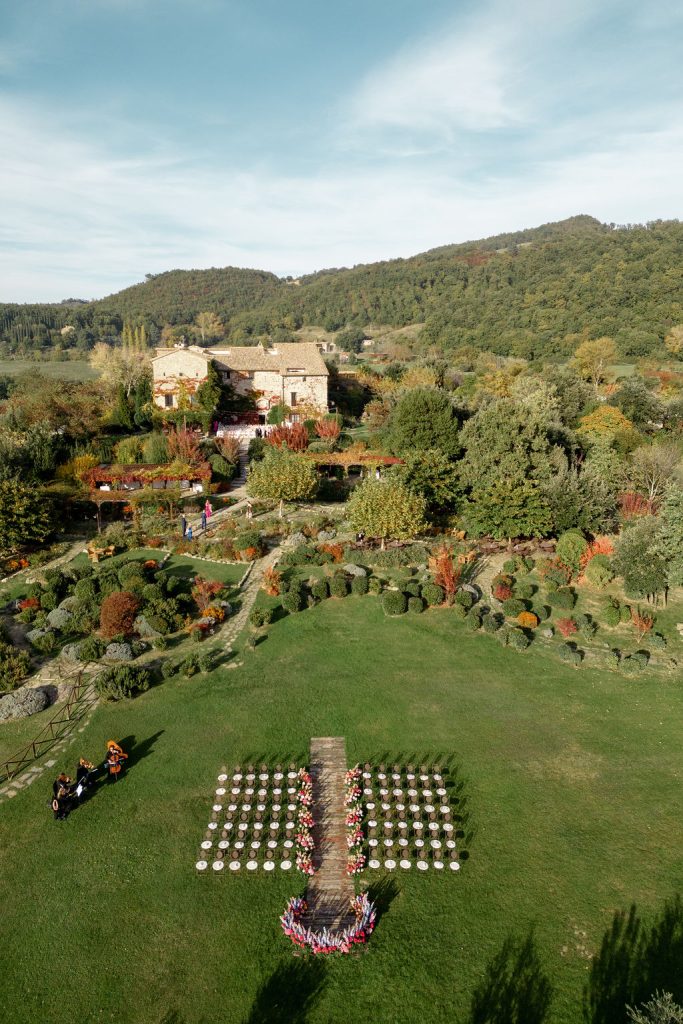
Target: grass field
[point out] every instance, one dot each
(572, 801)
(76, 369)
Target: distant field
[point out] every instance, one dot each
(77, 369)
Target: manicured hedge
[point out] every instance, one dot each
(394, 602)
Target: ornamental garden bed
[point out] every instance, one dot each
(123, 608)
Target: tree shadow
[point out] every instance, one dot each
(635, 960)
(516, 989)
(288, 996)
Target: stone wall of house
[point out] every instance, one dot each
(176, 368)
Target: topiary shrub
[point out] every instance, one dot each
(90, 649)
(152, 592)
(611, 614)
(117, 613)
(635, 663)
(413, 588)
(502, 636)
(625, 613)
(339, 586)
(394, 602)
(465, 599)
(375, 585)
(491, 622)
(160, 643)
(517, 639)
(85, 591)
(524, 591)
(320, 590)
(432, 594)
(168, 668)
(121, 682)
(460, 612)
(292, 601)
(416, 605)
(473, 620)
(190, 665)
(586, 627)
(360, 585)
(656, 641)
(570, 548)
(513, 606)
(599, 571)
(512, 565)
(49, 599)
(614, 658)
(46, 643)
(261, 616)
(527, 620)
(208, 659)
(563, 598)
(569, 653)
(541, 611)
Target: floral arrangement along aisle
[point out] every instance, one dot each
(325, 941)
(304, 836)
(354, 817)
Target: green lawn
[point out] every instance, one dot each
(179, 565)
(573, 807)
(75, 369)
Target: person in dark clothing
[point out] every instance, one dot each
(183, 525)
(61, 797)
(84, 773)
(204, 521)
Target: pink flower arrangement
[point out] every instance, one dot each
(326, 941)
(355, 864)
(354, 837)
(304, 842)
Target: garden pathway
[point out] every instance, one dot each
(330, 889)
(72, 728)
(249, 593)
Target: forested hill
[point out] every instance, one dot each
(527, 293)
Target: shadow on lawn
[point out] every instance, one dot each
(289, 994)
(516, 989)
(383, 893)
(635, 961)
(138, 751)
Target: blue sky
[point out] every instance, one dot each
(144, 135)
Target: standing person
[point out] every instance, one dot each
(208, 509)
(183, 525)
(114, 760)
(188, 534)
(203, 520)
(250, 510)
(61, 797)
(83, 773)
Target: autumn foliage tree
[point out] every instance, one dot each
(183, 446)
(271, 582)
(204, 592)
(293, 436)
(118, 612)
(446, 573)
(642, 622)
(328, 429)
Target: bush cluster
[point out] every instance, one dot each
(394, 602)
(124, 681)
(433, 594)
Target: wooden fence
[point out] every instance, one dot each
(49, 734)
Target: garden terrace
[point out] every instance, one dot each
(353, 459)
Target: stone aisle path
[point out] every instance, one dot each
(330, 889)
(249, 593)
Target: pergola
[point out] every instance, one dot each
(121, 483)
(350, 459)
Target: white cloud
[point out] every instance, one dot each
(80, 222)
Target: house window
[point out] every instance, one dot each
(292, 398)
(168, 401)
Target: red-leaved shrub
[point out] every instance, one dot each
(118, 612)
(567, 627)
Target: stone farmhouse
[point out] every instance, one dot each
(292, 374)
